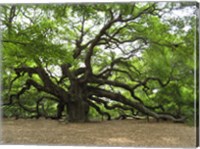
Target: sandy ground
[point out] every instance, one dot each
(134, 133)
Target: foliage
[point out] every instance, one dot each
(139, 52)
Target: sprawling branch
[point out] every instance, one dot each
(26, 108)
(10, 97)
(38, 103)
(143, 83)
(10, 19)
(95, 42)
(116, 84)
(118, 41)
(99, 110)
(79, 71)
(149, 9)
(49, 86)
(23, 90)
(51, 75)
(37, 70)
(103, 32)
(113, 106)
(141, 107)
(79, 47)
(107, 72)
(66, 72)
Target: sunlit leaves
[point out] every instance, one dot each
(144, 43)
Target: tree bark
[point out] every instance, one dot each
(77, 111)
(77, 107)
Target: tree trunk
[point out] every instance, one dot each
(77, 111)
(77, 107)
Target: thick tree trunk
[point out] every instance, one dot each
(78, 111)
(77, 107)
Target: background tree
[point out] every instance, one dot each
(116, 59)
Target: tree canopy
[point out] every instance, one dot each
(117, 60)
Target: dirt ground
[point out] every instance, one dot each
(134, 133)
